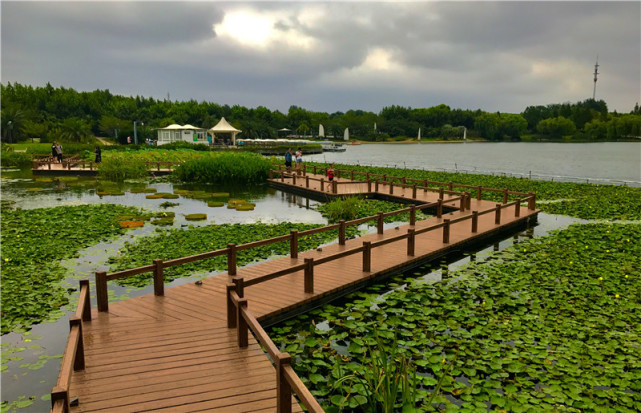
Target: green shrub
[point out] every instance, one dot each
(119, 167)
(11, 159)
(346, 209)
(225, 167)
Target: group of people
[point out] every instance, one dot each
(56, 152)
(298, 156)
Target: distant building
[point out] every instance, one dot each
(186, 133)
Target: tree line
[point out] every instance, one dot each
(50, 114)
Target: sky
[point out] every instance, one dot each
(331, 56)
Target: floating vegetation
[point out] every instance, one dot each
(34, 242)
(549, 324)
(165, 215)
(153, 196)
(170, 196)
(215, 204)
(163, 221)
(150, 190)
(245, 207)
(201, 196)
(236, 201)
(137, 191)
(195, 217)
(181, 192)
(220, 195)
(132, 224)
(34, 189)
(109, 193)
(168, 204)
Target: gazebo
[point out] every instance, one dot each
(224, 127)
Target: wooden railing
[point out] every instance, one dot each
(73, 358)
(287, 381)
(76, 162)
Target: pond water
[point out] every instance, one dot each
(602, 162)
(34, 370)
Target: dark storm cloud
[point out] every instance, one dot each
(331, 56)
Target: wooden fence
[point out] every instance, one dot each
(76, 163)
(73, 358)
(238, 315)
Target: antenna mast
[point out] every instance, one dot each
(596, 72)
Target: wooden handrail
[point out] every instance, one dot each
(197, 257)
(73, 358)
(274, 274)
(303, 393)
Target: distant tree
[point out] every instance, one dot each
(74, 130)
(488, 125)
(13, 122)
(557, 127)
(513, 125)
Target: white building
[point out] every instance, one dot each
(177, 133)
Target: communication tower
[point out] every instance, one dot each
(596, 72)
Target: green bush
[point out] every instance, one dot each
(119, 167)
(225, 167)
(11, 159)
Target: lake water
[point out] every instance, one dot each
(613, 163)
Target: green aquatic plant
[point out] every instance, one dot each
(195, 217)
(354, 207)
(225, 167)
(33, 244)
(120, 166)
(548, 324)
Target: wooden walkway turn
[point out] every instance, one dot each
(174, 351)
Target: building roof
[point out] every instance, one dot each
(223, 126)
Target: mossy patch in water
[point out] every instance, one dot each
(170, 196)
(132, 224)
(245, 207)
(153, 196)
(215, 204)
(220, 195)
(163, 221)
(150, 190)
(195, 217)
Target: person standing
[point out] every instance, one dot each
(98, 153)
(288, 159)
(58, 148)
(330, 172)
(54, 154)
(299, 161)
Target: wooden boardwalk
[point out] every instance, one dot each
(174, 351)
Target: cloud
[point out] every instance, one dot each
(331, 56)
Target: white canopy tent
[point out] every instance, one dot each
(224, 127)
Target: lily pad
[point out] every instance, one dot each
(195, 217)
(215, 204)
(154, 196)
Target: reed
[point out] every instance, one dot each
(225, 167)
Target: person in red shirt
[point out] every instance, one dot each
(330, 172)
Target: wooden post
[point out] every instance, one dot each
(309, 275)
(293, 244)
(505, 196)
(439, 208)
(475, 221)
(412, 215)
(384, 178)
(517, 208)
(239, 283)
(468, 200)
(294, 179)
(282, 177)
(304, 170)
(367, 256)
(159, 278)
(86, 306)
(314, 169)
(79, 362)
(497, 216)
(49, 165)
(441, 192)
(231, 308)
(231, 259)
(335, 187)
(101, 291)
(283, 388)
(241, 332)
(367, 176)
(352, 175)
(404, 180)
(271, 174)
(425, 187)
(376, 186)
(369, 185)
(341, 232)
(306, 181)
(391, 187)
(446, 231)
(531, 204)
(462, 203)
(322, 181)
(414, 191)
(450, 185)
(379, 223)
(411, 242)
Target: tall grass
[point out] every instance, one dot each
(223, 167)
(118, 167)
(346, 209)
(11, 159)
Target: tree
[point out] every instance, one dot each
(557, 127)
(74, 130)
(488, 126)
(13, 121)
(513, 125)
